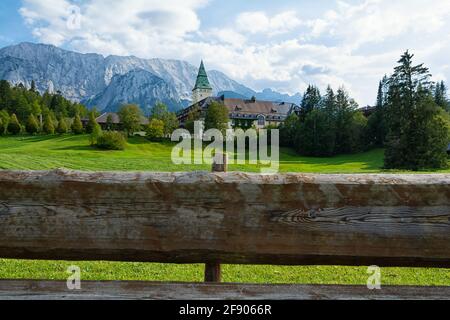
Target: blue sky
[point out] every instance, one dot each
(284, 44)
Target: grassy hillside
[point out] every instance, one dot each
(73, 152)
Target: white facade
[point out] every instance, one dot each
(201, 94)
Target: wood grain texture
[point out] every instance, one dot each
(237, 218)
(129, 290)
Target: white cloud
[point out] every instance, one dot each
(259, 22)
(352, 44)
(117, 27)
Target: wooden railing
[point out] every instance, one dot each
(229, 218)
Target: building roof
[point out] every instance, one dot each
(202, 79)
(248, 109)
(257, 107)
(103, 119)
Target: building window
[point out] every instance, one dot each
(261, 121)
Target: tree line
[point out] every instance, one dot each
(327, 124)
(23, 109)
(411, 121)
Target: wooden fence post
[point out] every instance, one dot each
(213, 269)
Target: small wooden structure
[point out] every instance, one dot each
(224, 218)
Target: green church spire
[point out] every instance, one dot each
(202, 79)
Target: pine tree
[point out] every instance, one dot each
(77, 126)
(376, 126)
(62, 126)
(14, 125)
(440, 96)
(417, 138)
(4, 121)
(311, 100)
(92, 122)
(33, 86)
(32, 125)
(289, 130)
(380, 96)
(95, 134)
(345, 109)
(316, 138)
(49, 127)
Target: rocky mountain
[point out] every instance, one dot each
(266, 95)
(137, 86)
(108, 82)
(270, 95)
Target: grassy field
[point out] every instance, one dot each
(73, 152)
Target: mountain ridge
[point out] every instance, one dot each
(85, 77)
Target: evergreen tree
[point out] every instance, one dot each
(21, 106)
(49, 127)
(358, 129)
(440, 96)
(14, 125)
(4, 121)
(417, 138)
(77, 126)
(91, 122)
(95, 134)
(376, 126)
(315, 136)
(5, 95)
(62, 126)
(316, 133)
(345, 110)
(33, 86)
(289, 130)
(311, 100)
(32, 125)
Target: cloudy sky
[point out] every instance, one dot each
(282, 44)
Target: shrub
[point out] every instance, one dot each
(14, 125)
(111, 140)
(32, 125)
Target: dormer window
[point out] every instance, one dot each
(261, 121)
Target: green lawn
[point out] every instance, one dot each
(73, 152)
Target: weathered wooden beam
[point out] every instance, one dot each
(236, 218)
(213, 272)
(129, 290)
(220, 163)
